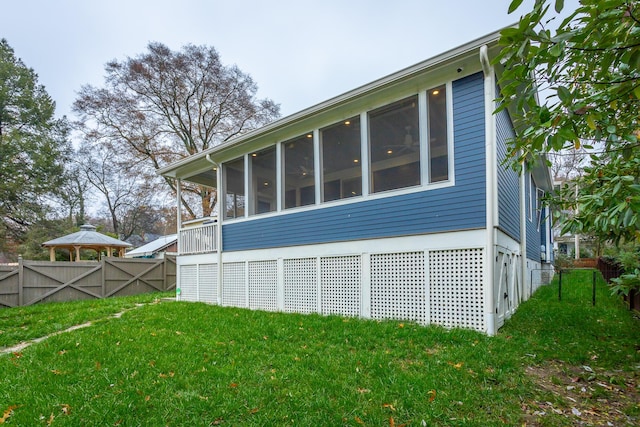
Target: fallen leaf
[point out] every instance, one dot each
(254, 410)
(456, 365)
(432, 395)
(66, 409)
(62, 352)
(390, 406)
(233, 385)
(401, 325)
(7, 413)
(51, 418)
(98, 365)
(56, 372)
(147, 398)
(392, 423)
(152, 363)
(363, 390)
(17, 355)
(358, 420)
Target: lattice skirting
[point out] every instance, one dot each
(199, 282)
(444, 287)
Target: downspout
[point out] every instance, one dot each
(179, 231)
(179, 210)
(523, 231)
(491, 190)
(219, 224)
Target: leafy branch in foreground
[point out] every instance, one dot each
(587, 69)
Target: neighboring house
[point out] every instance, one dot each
(387, 202)
(156, 249)
(569, 244)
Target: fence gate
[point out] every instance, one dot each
(507, 284)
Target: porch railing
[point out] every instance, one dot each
(198, 239)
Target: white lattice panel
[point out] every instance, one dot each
(340, 285)
(398, 286)
(263, 285)
(208, 283)
(300, 285)
(234, 288)
(456, 294)
(188, 283)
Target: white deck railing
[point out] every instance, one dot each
(198, 239)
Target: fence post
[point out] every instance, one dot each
(164, 273)
(104, 277)
(20, 281)
(593, 302)
(560, 286)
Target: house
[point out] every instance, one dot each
(157, 248)
(387, 202)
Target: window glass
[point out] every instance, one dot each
(341, 167)
(299, 186)
(263, 181)
(394, 145)
(438, 150)
(234, 188)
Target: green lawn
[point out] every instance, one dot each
(172, 363)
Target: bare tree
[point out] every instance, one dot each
(126, 192)
(164, 105)
(568, 164)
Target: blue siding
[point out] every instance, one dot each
(447, 209)
(508, 180)
(533, 234)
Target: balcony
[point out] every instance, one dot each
(198, 237)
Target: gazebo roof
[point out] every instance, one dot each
(87, 237)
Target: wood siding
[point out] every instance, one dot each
(508, 180)
(459, 207)
(533, 234)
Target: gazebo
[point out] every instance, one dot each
(86, 238)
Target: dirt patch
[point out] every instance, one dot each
(583, 396)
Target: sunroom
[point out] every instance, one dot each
(343, 153)
(388, 201)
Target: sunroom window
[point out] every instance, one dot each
(263, 188)
(299, 173)
(438, 147)
(341, 160)
(234, 200)
(394, 145)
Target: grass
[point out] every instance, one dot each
(173, 363)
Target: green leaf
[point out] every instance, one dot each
(564, 94)
(514, 5)
(556, 50)
(559, 5)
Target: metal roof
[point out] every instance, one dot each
(154, 246)
(87, 237)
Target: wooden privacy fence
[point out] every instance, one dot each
(32, 282)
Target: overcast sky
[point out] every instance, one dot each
(299, 52)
